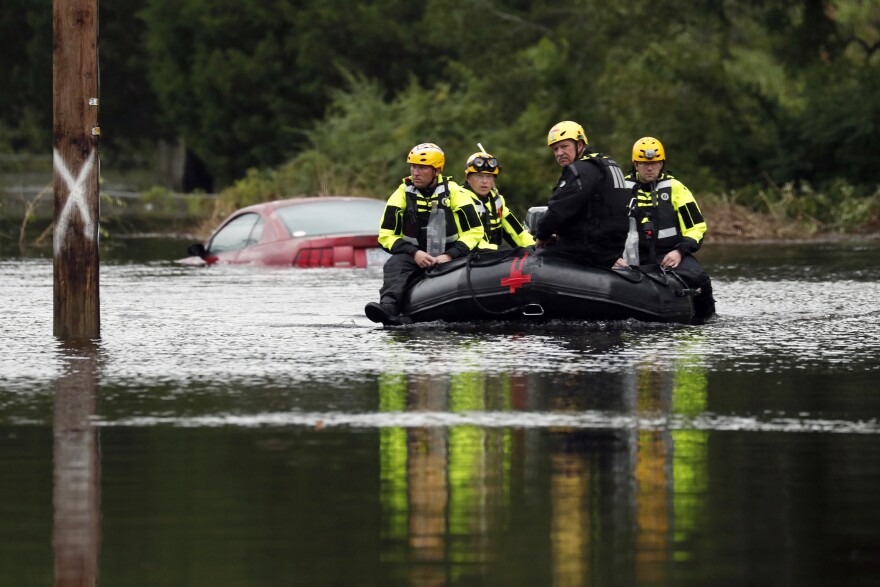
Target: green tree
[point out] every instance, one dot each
(745, 94)
(26, 61)
(242, 81)
(130, 116)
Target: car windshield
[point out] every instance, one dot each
(332, 217)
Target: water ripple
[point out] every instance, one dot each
(164, 324)
(524, 420)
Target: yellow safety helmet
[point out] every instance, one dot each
(482, 162)
(648, 149)
(566, 130)
(427, 154)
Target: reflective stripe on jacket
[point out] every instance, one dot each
(670, 210)
(405, 220)
(499, 223)
(588, 211)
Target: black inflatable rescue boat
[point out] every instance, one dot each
(520, 285)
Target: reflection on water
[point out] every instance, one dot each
(442, 487)
(76, 468)
(257, 429)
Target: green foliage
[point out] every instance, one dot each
(157, 195)
(360, 148)
(159, 199)
(259, 185)
(198, 205)
(130, 115)
(842, 123)
(114, 201)
(839, 207)
(242, 80)
(836, 208)
(26, 63)
(282, 98)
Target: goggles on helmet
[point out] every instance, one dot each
(480, 164)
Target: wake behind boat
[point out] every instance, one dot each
(519, 285)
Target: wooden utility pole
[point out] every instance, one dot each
(76, 163)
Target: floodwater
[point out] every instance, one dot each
(244, 427)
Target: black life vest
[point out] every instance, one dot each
(489, 210)
(612, 200)
(658, 220)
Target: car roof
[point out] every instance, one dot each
(275, 204)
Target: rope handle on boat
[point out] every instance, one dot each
(663, 279)
(685, 289)
(471, 285)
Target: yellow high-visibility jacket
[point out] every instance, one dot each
(405, 220)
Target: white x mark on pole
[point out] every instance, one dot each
(75, 198)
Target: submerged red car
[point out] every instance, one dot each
(298, 232)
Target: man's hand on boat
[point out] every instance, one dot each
(424, 260)
(671, 260)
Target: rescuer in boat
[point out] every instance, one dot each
(671, 226)
(404, 228)
(501, 226)
(587, 215)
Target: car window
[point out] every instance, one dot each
(256, 233)
(332, 217)
(238, 233)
